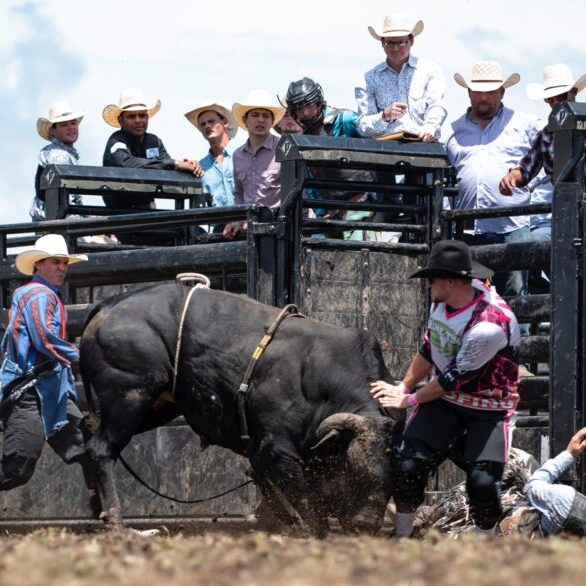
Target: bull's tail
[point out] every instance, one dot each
(91, 421)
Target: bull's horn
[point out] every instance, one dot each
(333, 434)
(342, 422)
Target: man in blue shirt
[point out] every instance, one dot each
(560, 507)
(37, 392)
(485, 143)
(218, 127)
(61, 129)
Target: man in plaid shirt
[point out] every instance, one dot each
(558, 86)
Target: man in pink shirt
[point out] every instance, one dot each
(257, 176)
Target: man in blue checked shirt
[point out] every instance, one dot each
(37, 392)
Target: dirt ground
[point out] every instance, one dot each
(54, 556)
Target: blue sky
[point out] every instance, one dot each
(186, 53)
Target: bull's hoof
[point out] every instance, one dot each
(112, 519)
(95, 504)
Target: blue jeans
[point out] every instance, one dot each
(513, 283)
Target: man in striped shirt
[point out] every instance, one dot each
(37, 358)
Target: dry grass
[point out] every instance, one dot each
(52, 556)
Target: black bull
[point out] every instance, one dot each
(310, 387)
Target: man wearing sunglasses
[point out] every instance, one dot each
(404, 92)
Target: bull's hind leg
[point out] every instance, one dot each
(119, 422)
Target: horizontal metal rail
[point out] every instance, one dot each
(85, 178)
(390, 247)
(149, 264)
(357, 225)
(497, 212)
(531, 308)
(335, 204)
(351, 186)
(516, 256)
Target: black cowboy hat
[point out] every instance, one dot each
(450, 259)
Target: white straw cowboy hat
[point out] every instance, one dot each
(257, 99)
(557, 79)
(397, 25)
(45, 247)
(59, 111)
(130, 100)
(487, 76)
(214, 107)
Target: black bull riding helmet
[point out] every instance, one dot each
(451, 259)
(304, 93)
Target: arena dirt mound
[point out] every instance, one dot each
(253, 558)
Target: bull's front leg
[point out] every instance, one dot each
(283, 485)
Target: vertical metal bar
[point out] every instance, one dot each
(265, 244)
(298, 171)
(252, 260)
(3, 255)
(68, 291)
(298, 259)
(564, 317)
(436, 204)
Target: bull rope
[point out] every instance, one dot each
(202, 282)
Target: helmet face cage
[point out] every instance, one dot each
(306, 92)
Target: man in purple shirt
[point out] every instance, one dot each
(37, 392)
(257, 176)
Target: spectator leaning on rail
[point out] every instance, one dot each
(257, 175)
(306, 102)
(404, 92)
(560, 507)
(558, 86)
(218, 127)
(61, 128)
(305, 99)
(484, 143)
(470, 349)
(133, 147)
(37, 390)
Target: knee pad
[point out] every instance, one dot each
(411, 474)
(483, 492)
